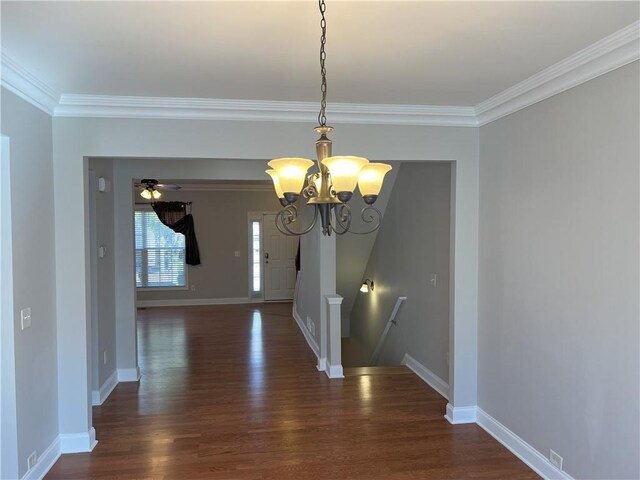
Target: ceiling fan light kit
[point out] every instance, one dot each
(330, 187)
(149, 193)
(149, 188)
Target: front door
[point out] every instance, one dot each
(279, 261)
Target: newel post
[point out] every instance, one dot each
(334, 337)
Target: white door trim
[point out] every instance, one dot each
(8, 417)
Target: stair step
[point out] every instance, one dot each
(359, 371)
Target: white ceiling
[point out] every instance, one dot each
(428, 53)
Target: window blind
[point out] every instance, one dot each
(160, 253)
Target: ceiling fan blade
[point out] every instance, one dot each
(169, 186)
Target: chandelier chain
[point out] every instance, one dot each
(322, 118)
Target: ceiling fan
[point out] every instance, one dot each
(149, 188)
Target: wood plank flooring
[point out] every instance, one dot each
(231, 392)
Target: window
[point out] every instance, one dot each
(159, 253)
(255, 257)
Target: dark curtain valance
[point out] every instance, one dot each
(174, 215)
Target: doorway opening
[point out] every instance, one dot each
(400, 306)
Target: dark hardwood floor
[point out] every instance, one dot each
(231, 392)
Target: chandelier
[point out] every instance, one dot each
(331, 186)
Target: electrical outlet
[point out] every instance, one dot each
(434, 280)
(104, 357)
(31, 460)
(192, 288)
(555, 459)
(237, 253)
(25, 317)
(310, 325)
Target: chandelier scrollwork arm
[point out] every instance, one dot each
(371, 216)
(342, 214)
(289, 215)
(310, 190)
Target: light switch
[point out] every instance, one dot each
(102, 251)
(25, 317)
(434, 280)
(237, 253)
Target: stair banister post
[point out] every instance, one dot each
(334, 337)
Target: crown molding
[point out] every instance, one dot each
(227, 187)
(20, 81)
(258, 110)
(614, 51)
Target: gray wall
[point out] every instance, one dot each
(558, 307)
(413, 243)
(220, 219)
(104, 333)
(34, 286)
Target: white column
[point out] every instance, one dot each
(125, 288)
(334, 337)
(73, 299)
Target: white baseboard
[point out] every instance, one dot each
(99, 396)
(521, 449)
(189, 302)
(334, 371)
(457, 415)
(322, 364)
(45, 461)
(63, 443)
(129, 374)
(307, 334)
(78, 442)
(426, 375)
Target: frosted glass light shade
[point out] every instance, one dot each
(291, 173)
(344, 172)
(367, 286)
(276, 182)
(145, 194)
(371, 177)
(156, 194)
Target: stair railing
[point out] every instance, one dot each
(390, 323)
